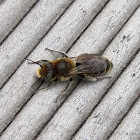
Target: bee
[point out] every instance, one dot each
(86, 66)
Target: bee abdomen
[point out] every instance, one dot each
(104, 68)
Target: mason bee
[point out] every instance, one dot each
(86, 66)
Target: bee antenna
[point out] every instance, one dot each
(33, 62)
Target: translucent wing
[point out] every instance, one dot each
(89, 64)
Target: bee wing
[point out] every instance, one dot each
(91, 64)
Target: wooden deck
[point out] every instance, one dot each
(105, 110)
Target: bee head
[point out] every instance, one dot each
(45, 71)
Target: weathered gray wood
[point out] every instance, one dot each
(129, 129)
(113, 107)
(1, 1)
(109, 22)
(11, 12)
(18, 89)
(24, 38)
(40, 108)
(86, 96)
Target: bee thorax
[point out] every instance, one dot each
(63, 66)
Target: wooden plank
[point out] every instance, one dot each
(87, 95)
(1, 1)
(11, 12)
(106, 25)
(27, 35)
(18, 89)
(129, 129)
(41, 107)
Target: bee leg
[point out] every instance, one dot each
(93, 79)
(47, 86)
(101, 78)
(64, 93)
(60, 52)
(89, 78)
(52, 83)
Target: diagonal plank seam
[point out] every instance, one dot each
(132, 105)
(87, 26)
(17, 114)
(122, 27)
(42, 128)
(18, 22)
